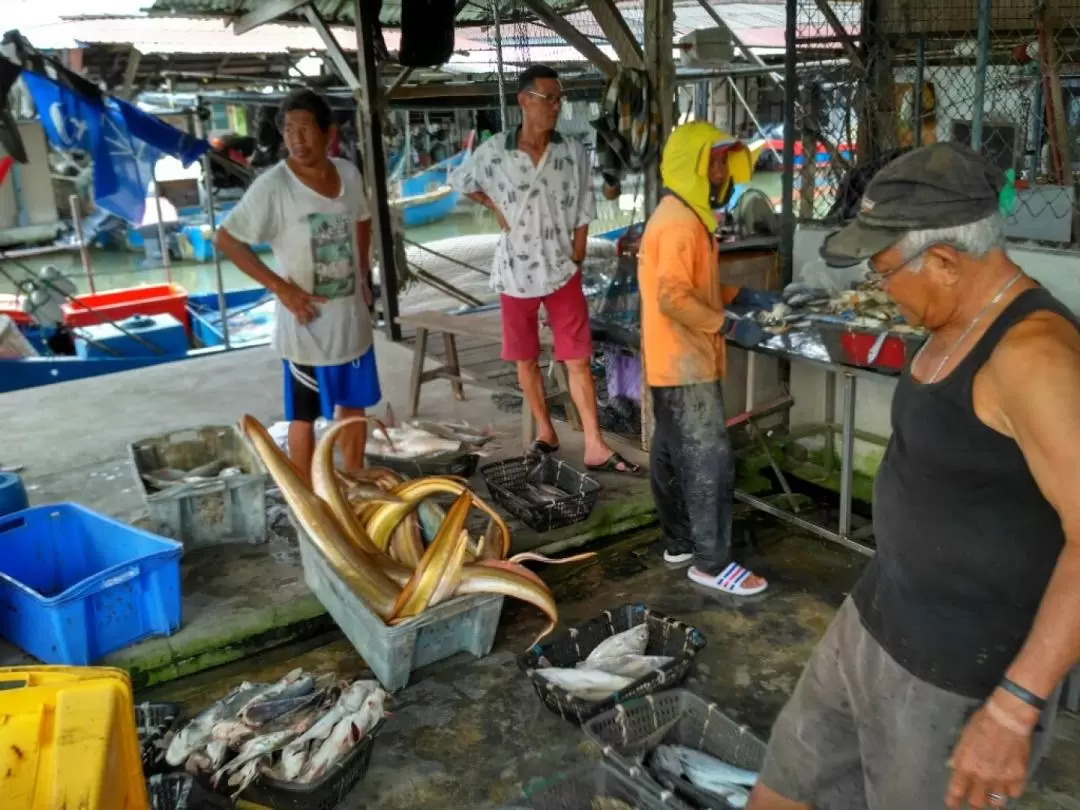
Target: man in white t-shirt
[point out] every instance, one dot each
(311, 209)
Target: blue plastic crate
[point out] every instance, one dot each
(75, 586)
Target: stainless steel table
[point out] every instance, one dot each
(807, 346)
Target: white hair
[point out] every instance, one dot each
(976, 239)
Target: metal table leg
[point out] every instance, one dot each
(847, 455)
(843, 533)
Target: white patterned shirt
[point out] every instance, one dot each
(313, 239)
(543, 204)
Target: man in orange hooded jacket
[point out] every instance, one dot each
(684, 325)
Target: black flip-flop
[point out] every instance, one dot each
(612, 465)
(541, 448)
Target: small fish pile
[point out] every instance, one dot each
(167, 477)
(722, 786)
(294, 730)
(462, 432)
(614, 664)
(541, 494)
(865, 306)
(371, 528)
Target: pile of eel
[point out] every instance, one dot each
(370, 527)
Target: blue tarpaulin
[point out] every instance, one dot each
(123, 141)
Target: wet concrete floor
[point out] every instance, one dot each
(471, 733)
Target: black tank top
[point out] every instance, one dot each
(966, 542)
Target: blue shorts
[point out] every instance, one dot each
(314, 391)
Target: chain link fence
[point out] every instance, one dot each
(881, 77)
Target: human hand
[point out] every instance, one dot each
(990, 761)
(746, 332)
(301, 304)
(503, 224)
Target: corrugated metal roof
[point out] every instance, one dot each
(338, 12)
(178, 35)
(189, 35)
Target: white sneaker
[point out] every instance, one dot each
(678, 559)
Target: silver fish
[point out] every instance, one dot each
(345, 735)
(293, 758)
(216, 751)
(629, 642)
(698, 760)
(292, 685)
(197, 764)
(351, 700)
(463, 432)
(629, 666)
(196, 733)
(253, 749)
(706, 771)
(263, 711)
(585, 683)
(231, 732)
(246, 775)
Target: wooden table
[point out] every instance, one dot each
(486, 326)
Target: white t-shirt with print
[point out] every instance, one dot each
(543, 204)
(313, 239)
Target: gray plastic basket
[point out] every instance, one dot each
(578, 790)
(464, 624)
(207, 513)
(629, 732)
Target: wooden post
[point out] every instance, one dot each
(660, 66)
(369, 133)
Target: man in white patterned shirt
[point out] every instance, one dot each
(539, 186)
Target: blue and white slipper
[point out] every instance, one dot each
(729, 581)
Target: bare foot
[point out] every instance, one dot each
(597, 454)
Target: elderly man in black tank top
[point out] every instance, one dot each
(935, 684)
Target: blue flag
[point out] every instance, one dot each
(123, 141)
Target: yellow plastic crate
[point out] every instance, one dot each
(68, 740)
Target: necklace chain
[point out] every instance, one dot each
(974, 321)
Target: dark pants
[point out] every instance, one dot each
(862, 733)
(693, 473)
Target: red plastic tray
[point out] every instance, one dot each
(9, 306)
(116, 305)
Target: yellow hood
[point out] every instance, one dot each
(685, 165)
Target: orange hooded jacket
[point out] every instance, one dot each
(682, 300)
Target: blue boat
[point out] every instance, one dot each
(31, 372)
(427, 197)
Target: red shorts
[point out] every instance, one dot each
(567, 313)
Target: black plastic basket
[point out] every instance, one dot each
(462, 465)
(180, 791)
(629, 732)
(153, 720)
(667, 636)
(323, 794)
(507, 480)
(578, 789)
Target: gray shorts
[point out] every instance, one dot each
(862, 733)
